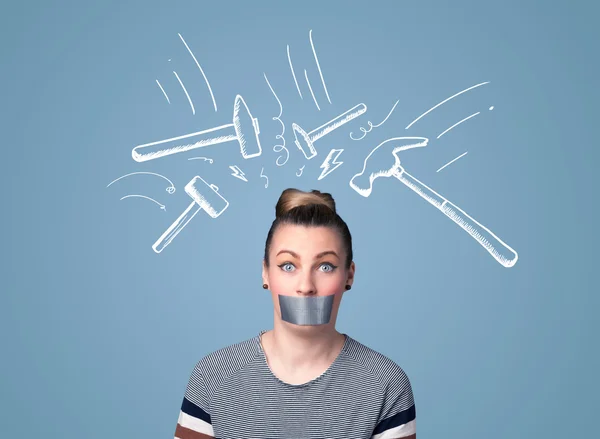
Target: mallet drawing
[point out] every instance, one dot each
(206, 197)
(244, 129)
(363, 184)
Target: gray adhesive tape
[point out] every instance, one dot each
(310, 310)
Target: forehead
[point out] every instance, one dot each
(307, 240)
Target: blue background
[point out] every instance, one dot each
(99, 334)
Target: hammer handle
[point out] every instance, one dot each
(499, 250)
(176, 227)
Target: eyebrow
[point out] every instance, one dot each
(320, 255)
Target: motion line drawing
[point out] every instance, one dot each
(293, 73)
(206, 159)
(206, 197)
(185, 91)
(318, 65)
(452, 161)
(363, 184)
(305, 141)
(311, 90)
(201, 71)
(264, 176)
(162, 206)
(371, 126)
(242, 129)
(164, 92)
(446, 100)
(458, 123)
(170, 189)
(330, 160)
(279, 136)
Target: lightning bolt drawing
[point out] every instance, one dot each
(330, 160)
(238, 173)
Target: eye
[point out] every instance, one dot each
(288, 265)
(328, 268)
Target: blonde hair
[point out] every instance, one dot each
(310, 209)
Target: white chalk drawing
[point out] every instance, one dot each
(330, 160)
(238, 173)
(279, 148)
(318, 65)
(170, 189)
(452, 161)
(301, 171)
(205, 197)
(305, 141)
(185, 91)
(201, 71)
(446, 100)
(311, 90)
(363, 184)
(164, 92)
(244, 129)
(264, 176)
(206, 159)
(293, 73)
(371, 126)
(162, 206)
(491, 108)
(458, 123)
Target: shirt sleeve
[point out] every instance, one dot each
(398, 415)
(194, 420)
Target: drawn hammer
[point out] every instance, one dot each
(206, 197)
(363, 184)
(244, 129)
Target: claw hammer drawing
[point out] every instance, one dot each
(363, 184)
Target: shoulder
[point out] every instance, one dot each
(383, 368)
(226, 360)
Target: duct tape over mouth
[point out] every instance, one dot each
(312, 310)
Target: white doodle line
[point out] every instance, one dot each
(163, 90)
(186, 93)
(444, 101)
(330, 160)
(238, 173)
(170, 189)
(279, 136)
(293, 73)
(311, 90)
(162, 206)
(301, 171)
(318, 66)
(458, 123)
(201, 71)
(264, 176)
(371, 126)
(206, 159)
(452, 161)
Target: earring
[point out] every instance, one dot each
(348, 287)
(265, 286)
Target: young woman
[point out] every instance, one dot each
(301, 379)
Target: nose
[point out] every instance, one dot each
(306, 285)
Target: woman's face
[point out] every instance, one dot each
(307, 261)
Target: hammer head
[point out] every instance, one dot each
(383, 161)
(246, 128)
(206, 196)
(303, 142)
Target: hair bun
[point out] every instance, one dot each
(291, 198)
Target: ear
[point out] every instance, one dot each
(350, 275)
(265, 273)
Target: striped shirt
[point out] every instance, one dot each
(232, 393)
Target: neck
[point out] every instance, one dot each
(297, 347)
